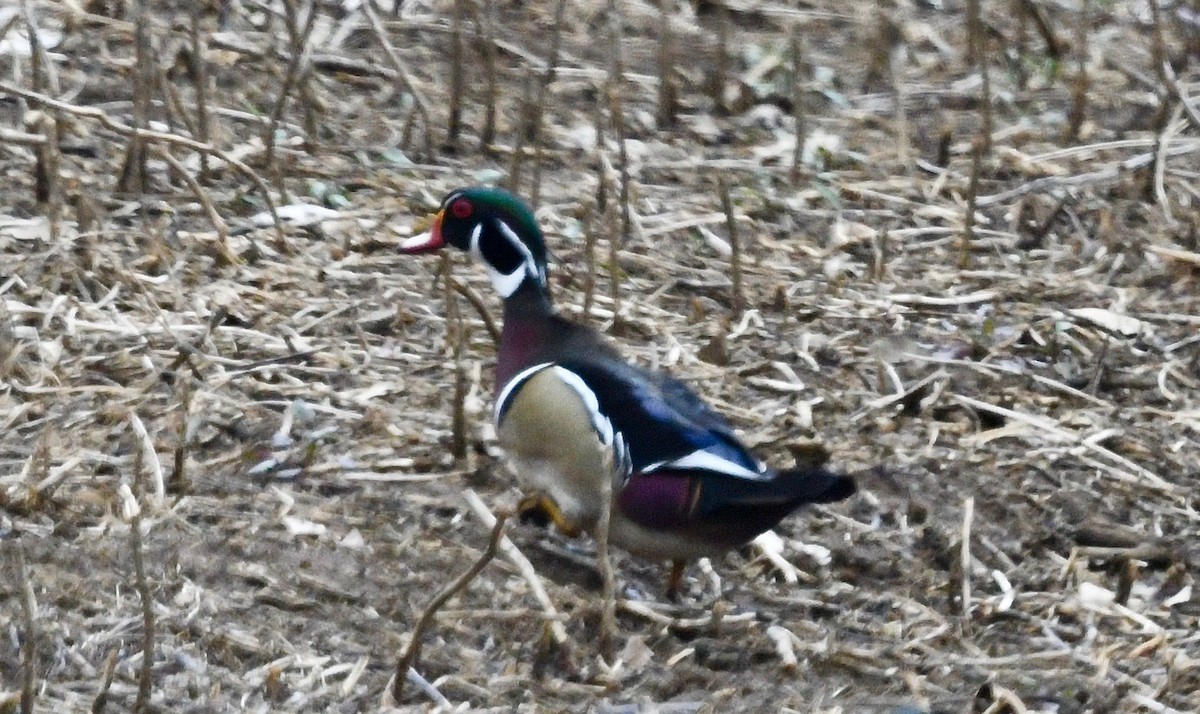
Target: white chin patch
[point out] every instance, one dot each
(506, 285)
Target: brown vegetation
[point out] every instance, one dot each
(954, 243)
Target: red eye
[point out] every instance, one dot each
(461, 208)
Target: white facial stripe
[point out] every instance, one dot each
(513, 384)
(475, 241)
(530, 264)
(507, 283)
(707, 461)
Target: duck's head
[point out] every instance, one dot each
(494, 226)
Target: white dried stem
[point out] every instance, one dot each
(523, 566)
(151, 458)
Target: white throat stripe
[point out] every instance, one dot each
(601, 424)
(506, 285)
(513, 384)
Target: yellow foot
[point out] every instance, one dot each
(541, 509)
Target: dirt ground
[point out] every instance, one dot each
(1017, 394)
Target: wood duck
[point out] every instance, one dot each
(570, 412)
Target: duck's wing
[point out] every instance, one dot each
(663, 425)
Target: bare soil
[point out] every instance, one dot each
(1017, 394)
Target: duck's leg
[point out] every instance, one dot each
(675, 580)
(541, 510)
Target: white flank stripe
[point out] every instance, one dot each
(706, 461)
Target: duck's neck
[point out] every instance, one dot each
(526, 331)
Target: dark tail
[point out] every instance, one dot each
(789, 489)
(737, 511)
(816, 485)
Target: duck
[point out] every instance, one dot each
(571, 413)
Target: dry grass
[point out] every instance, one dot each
(269, 401)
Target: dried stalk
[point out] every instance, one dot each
(199, 73)
(403, 75)
(640, 609)
(895, 60)
(49, 184)
(179, 481)
(23, 138)
(523, 128)
(133, 175)
(1030, 9)
(457, 337)
(9, 25)
(783, 639)
(608, 610)
(665, 117)
(539, 142)
(614, 238)
(977, 54)
(799, 119)
(108, 122)
(477, 302)
(454, 123)
(1185, 102)
(968, 235)
(965, 553)
(28, 606)
(201, 195)
(737, 296)
(41, 69)
(557, 632)
(408, 660)
(145, 675)
(444, 276)
(46, 168)
(39, 468)
(297, 67)
(1168, 85)
(720, 75)
(148, 456)
(589, 255)
(1127, 578)
(879, 250)
(486, 28)
(1079, 87)
(106, 678)
(1119, 467)
(10, 347)
(176, 112)
(616, 108)
(1158, 44)
(458, 439)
